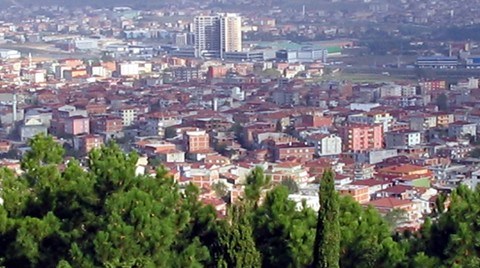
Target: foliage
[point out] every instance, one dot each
(106, 216)
(255, 184)
(237, 130)
(291, 185)
(326, 250)
(170, 132)
(396, 217)
(44, 151)
(236, 240)
(284, 234)
(220, 189)
(366, 239)
(475, 153)
(442, 102)
(63, 214)
(453, 239)
(279, 126)
(222, 149)
(271, 73)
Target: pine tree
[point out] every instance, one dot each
(366, 238)
(283, 234)
(103, 215)
(326, 252)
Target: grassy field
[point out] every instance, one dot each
(362, 78)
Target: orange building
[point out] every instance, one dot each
(407, 174)
(197, 141)
(316, 120)
(71, 62)
(359, 193)
(444, 119)
(86, 143)
(216, 72)
(404, 170)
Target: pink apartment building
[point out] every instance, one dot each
(360, 137)
(77, 125)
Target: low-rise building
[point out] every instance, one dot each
(462, 129)
(402, 139)
(362, 137)
(76, 125)
(326, 144)
(85, 143)
(359, 193)
(293, 150)
(31, 128)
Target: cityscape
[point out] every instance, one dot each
(231, 114)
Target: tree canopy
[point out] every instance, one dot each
(60, 213)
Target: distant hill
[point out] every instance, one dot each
(144, 4)
(93, 3)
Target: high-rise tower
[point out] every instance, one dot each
(217, 34)
(231, 31)
(207, 34)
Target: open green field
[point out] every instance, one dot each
(362, 78)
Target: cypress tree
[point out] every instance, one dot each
(236, 241)
(326, 252)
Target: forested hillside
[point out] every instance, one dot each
(103, 215)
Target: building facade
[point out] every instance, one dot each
(197, 141)
(357, 137)
(217, 34)
(402, 138)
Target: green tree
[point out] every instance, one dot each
(440, 203)
(220, 189)
(284, 234)
(291, 185)
(237, 130)
(422, 260)
(102, 215)
(453, 238)
(279, 126)
(475, 153)
(256, 182)
(222, 149)
(170, 132)
(43, 151)
(442, 102)
(366, 238)
(271, 73)
(326, 250)
(236, 240)
(396, 217)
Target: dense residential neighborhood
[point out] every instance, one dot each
(210, 119)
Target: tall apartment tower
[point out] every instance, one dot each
(217, 34)
(207, 34)
(231, 30)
